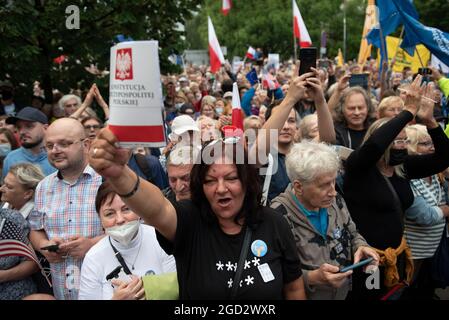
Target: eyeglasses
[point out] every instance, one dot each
(426, 144)
(94, 126)
(400, 142)
(63, 145)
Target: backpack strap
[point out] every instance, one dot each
(142, 163)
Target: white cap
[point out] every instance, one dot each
(183, 124)
(183, 79)
(228, 94)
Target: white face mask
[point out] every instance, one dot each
(124, 233)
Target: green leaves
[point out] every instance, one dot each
(33, 33)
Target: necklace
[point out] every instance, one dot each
(137, 255)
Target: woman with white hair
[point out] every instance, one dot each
(69, 103)
(326, 237)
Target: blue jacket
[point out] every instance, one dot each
(158, 175)
(22, 155)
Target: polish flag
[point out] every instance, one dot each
(251, 53)
(237, 115)
(227, 5)
(216, 56)
(268, 81)
(299, 28)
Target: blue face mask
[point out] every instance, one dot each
(219, 110)
(5, 148)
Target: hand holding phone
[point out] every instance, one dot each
(359, 80)
(51, 248)
(356, 265)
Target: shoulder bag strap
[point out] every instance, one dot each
(120, 258)
(241, 263)
(397, 201)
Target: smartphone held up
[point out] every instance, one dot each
(308, 57)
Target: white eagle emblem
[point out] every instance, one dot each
(123, 67)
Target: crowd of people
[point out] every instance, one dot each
(352, 173)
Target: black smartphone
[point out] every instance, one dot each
(426, 74)
(359, 80)
(356, 265)
(307, 56)
(51, 248)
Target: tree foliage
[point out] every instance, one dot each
(34, 33)
(433, 13)
(269, 24)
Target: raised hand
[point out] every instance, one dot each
(315, 88)
(414, 95)
(105, 157)
(425, 113)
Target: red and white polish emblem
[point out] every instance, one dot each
(124, 64)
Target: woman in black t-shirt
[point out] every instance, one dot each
(206, 234)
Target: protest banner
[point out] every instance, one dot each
(135, 94)
(405, 60)
(273, 59)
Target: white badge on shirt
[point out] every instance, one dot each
(265, 272)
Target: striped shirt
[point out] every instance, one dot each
(65, 210)
(423, 240)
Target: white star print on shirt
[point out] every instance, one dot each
(256, 261)
(247, 265)
(229, 266)
(219, 265)
(249, 280)
(230, 283)
(235, 266)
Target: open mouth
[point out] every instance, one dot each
(224, 202)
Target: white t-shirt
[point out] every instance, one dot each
(144, 253)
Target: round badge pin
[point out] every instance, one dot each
(259, 248)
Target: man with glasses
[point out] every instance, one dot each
(31, 124)
(65, 207)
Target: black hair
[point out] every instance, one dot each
(248, 176)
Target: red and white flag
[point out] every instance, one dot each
(269, 81)
(299, 28)
(237, 116)
(251, 53)
(215, 53)
(227, 5)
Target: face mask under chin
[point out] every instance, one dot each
(125, 233)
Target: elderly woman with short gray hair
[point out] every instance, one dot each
(326, 237)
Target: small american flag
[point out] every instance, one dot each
(13, 243)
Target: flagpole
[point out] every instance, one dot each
(397, 48)
(344, 30)
(419, 57)
(382, 45)
(295, 46)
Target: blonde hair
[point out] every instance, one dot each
(246, 122)
(305, 123)
(415, 133)
(393, 101)
(399, 169)
(27, 174)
